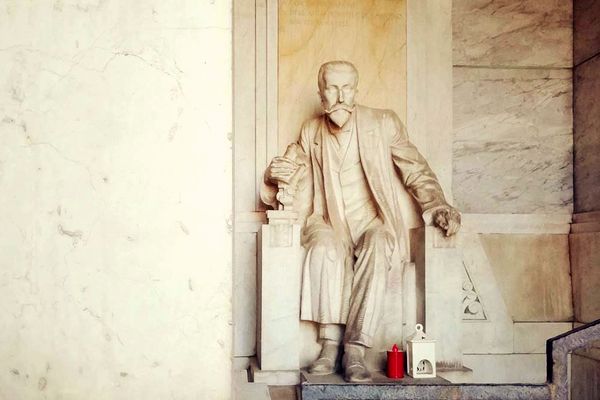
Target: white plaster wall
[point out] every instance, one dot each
(115, 196)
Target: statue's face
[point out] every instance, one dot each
(337, 95)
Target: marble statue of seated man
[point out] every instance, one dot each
(353, 229)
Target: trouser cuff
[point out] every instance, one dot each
(333, 332)
(358, 338)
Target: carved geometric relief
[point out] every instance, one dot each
(472, 305)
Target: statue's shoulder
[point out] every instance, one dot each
(311, 126)
(312, 123)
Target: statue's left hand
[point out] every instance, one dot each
(448, 219)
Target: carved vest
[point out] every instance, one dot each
(353, 193)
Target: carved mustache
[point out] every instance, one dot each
(339, 106)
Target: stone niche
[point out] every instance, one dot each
(278, 48)
(403, 50)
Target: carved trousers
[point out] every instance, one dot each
(365, 291)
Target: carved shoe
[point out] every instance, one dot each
(355, 370)
(325, 364)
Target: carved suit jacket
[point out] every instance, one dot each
(386, 154)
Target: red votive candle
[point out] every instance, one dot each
(395, 363)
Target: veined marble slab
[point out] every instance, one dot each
(513, 141)
(512, 33)
(504, 104)
(586, 29)
(586, 136)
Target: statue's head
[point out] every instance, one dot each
(337, 87)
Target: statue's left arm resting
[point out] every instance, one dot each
(420, 180)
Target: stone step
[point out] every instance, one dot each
(273, 378)
(244, 390)
(463, 375)
(333, 387)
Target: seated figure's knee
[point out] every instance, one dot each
(378, 236)
(325, 247)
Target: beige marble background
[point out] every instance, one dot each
(533, 274)
(371, 34)
(115, 181)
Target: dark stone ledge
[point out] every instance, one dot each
(332, 387)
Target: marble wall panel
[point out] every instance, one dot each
(512, 140)
(370, 34)
(585, 265)
(587, 135)
(586, 29)
(512, 33)
(115, 174)
(533, 273)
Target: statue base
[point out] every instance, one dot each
(273, 378)
(327, 387)
(456, 375)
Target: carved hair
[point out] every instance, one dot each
(338, 66)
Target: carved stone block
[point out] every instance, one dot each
(280, 261)
(439, 292)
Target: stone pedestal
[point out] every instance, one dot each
(330, 387)
(280, 256)
(439, 280)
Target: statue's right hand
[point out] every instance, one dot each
(281, 170)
